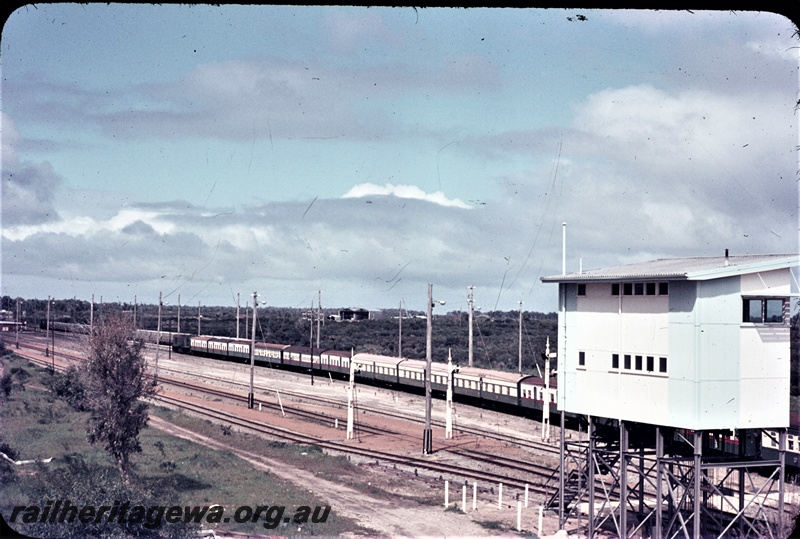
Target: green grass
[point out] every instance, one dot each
(37, 425)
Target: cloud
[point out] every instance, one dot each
(365, 190)
(28, 194)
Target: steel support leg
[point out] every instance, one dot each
(659, 478)
(590, 477)
(623, 479)
(698, 477)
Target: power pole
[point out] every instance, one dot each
(400, 332)
(250, 397)
(158, 338)
(319, 313)
(470, 324)
(198, 318)
(427, 436)
(237, 315)
(519, 370)
(47, 332)
(179, 313)
(18, 322)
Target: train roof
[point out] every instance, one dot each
(534, 380)
(421, 364)
(486, 374)
(377, 358)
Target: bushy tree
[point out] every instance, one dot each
(114, 383)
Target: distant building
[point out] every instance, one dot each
(696, 343)
(352, 315)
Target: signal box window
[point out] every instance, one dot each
(763, 310)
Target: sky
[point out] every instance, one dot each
(361, 153)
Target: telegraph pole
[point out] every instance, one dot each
(250, 397)
(400, 334)
(18, 322)
(470, 324)
(179, 314)
(47, 333)
(198, 318)
(319, 313)
(519, 371)
(158, 338)
(427, 436)
(237, 315)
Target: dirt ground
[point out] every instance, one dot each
(397, 517)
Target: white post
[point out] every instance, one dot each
(259, 406)
(526, 495)
(540, 521)
(448, 431)
(446, 493)
(500, 497)
(280, 403)
(349, 435)
(464, 498)
(474, 495)
(519, 516)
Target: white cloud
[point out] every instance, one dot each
(403, 191)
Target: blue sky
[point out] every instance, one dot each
(365, 152)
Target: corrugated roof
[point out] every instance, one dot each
(692, 268)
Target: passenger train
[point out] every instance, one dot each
(502, 390)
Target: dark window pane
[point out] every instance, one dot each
(650, 363)
(774, 311)
(638, 289)
(627, 288)
(651, 289)
(615, 361)
(627, 361)
(615, 289)
(581, 358)
(752, 311)
(638, 363)
(662, 364)
(581, 289)
(663, 289)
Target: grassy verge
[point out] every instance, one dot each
(170, 470)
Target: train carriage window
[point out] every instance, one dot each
(650, 363)
(627, 361)
(615, 361)
(582, 358)
(638, 363)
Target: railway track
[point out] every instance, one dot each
(459, 472)
(330, 402)
(456, 471)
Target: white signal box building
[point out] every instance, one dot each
(694, 343)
